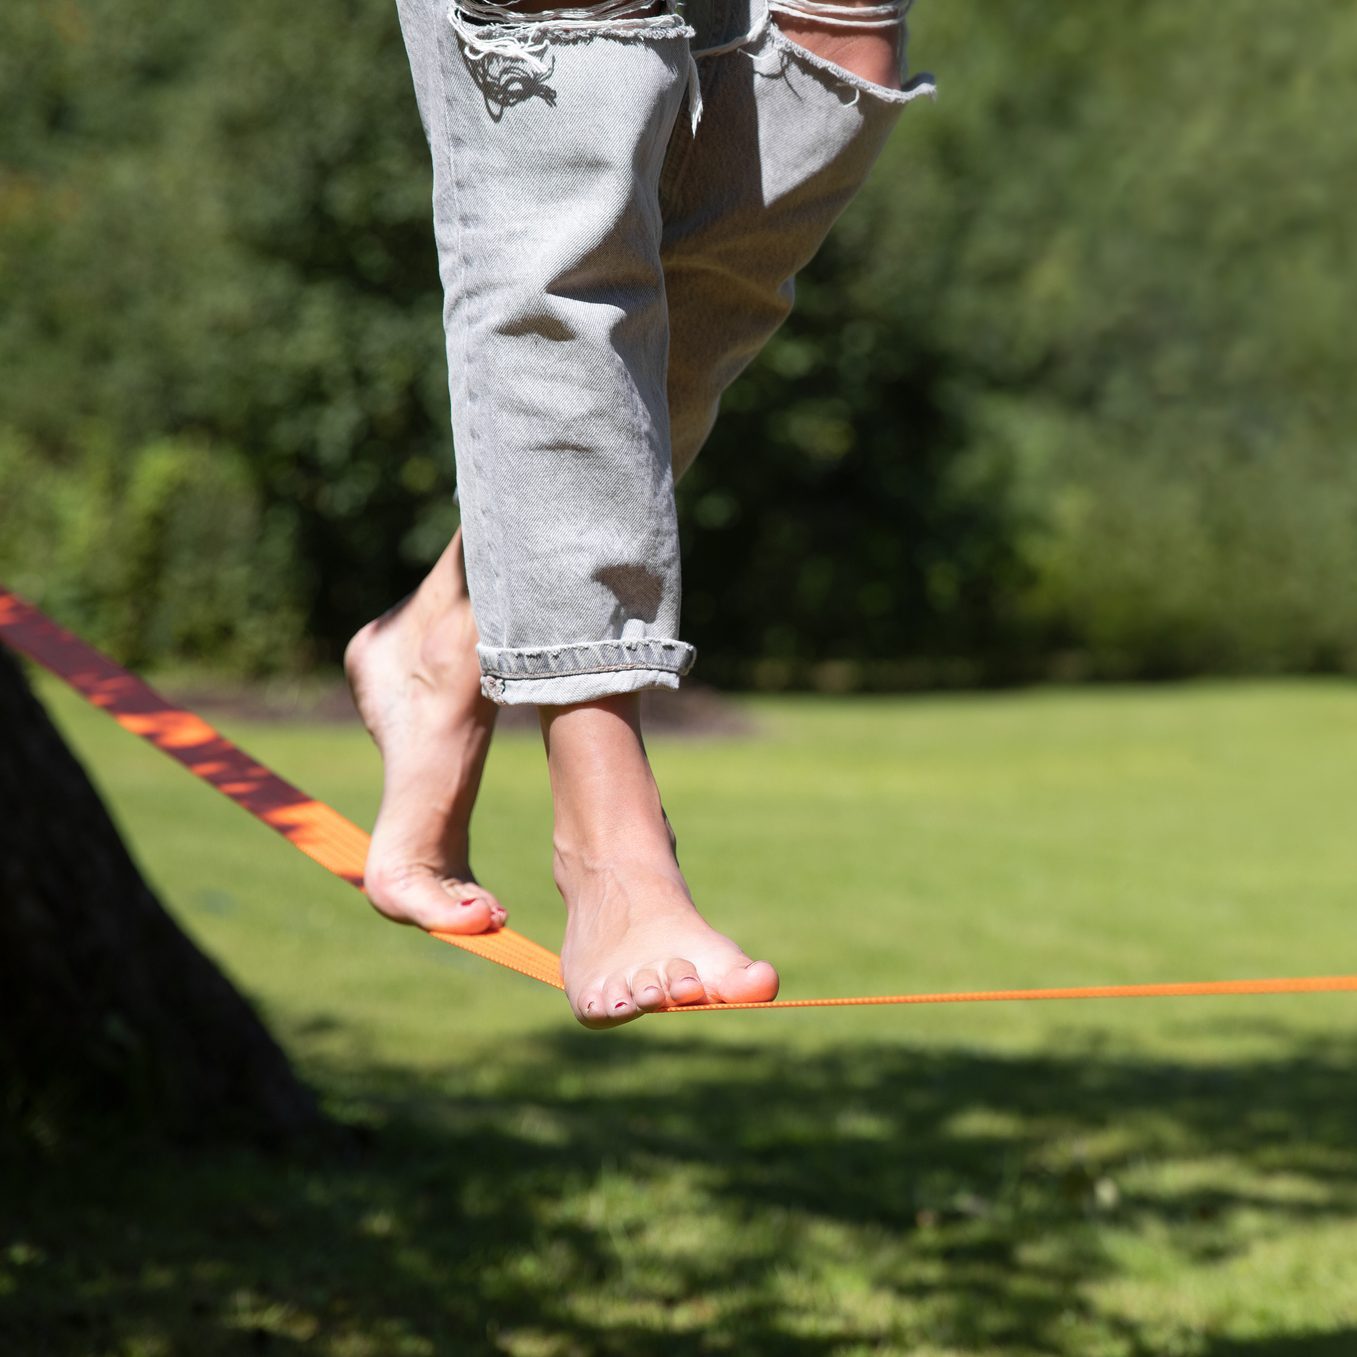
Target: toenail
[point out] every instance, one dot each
(472, 901)
(621, 1003)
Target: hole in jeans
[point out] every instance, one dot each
(508, 44)
(860, 38)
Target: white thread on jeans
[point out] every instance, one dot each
(886, 15)
(495, 28)
(842, 16)
(815, 11)
(489, 29)
(752, 35)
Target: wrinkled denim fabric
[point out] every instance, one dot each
(609, 267)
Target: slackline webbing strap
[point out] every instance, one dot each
(340, 846)
(321, 833)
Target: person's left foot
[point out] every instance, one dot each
(634, 940)
(635, 943)
(416, 683)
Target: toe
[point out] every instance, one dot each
(647, 990)
(456, 911)
(434, 905)
(607, 1005)
(618, 1004)
(754, 983)
(684, 985)
(590, 1009)
(468, 894)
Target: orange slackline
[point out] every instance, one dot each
(341, 847)
(321, 833)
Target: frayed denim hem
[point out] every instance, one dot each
(557, 676)
(567, 689)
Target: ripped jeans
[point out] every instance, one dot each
(609, 267)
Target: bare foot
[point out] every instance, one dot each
(634, 941)
(416, 683)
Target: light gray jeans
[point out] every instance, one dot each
(622, 200)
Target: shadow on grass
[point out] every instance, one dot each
(581, 1195)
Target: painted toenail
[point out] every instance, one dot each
(621, 1003)
(472, 901)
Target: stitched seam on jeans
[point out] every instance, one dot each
(678, 666)
(656, 446)
(648, 655)
(641, 644)
(441, 32)
(580, 673)
(672, 179)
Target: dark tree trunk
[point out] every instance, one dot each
(107, 1010)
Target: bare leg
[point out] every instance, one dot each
(872, 53)
(634, 941)
(416, 683)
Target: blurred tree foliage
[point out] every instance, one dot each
(1068, 391)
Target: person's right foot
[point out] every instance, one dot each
(416, 683)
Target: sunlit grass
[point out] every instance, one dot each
(1102, 1178)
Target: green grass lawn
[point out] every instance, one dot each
(1107, 1179)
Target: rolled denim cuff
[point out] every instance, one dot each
(557, 676)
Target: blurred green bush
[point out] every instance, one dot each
(1067, 392)
(164, 555)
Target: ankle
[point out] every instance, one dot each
(607, 804)
(606, 824)
(447, 646)
(575, 863)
